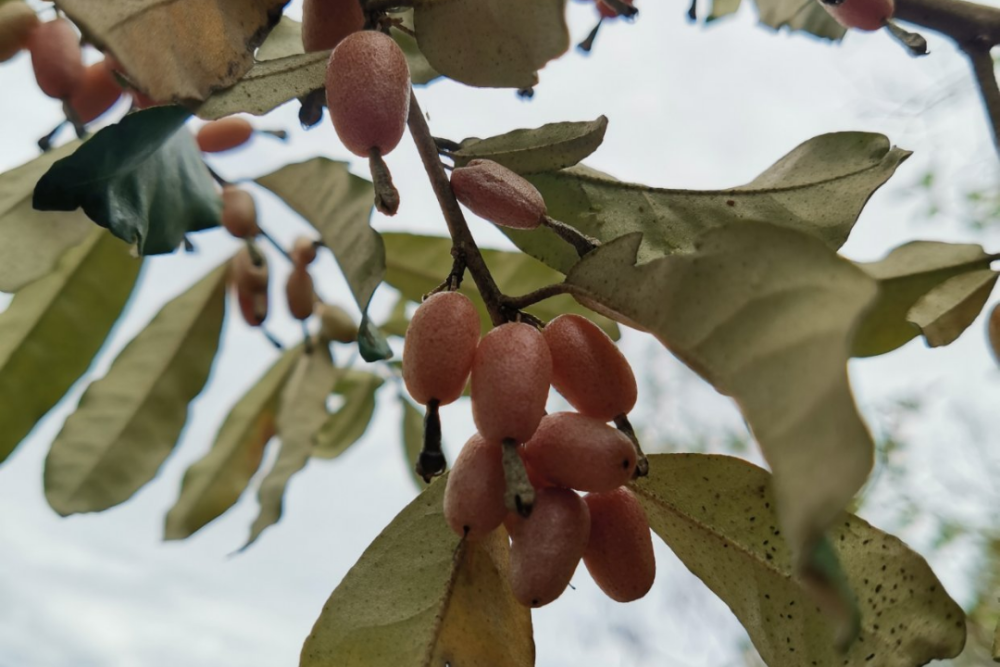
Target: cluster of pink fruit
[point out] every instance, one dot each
(524, 467)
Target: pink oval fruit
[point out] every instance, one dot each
(547, 546)
(495, 193)
(439, 347)
(325, 23)
(619, 553)
(224, 134)
(17, 22)
(473, 499)
(510, 382)
(300, 293)
(303, 251)
(98, 91)
(239, 212)
(56, 58)
(861, 14)
(368, 92)
(580, 452)
(588, 369)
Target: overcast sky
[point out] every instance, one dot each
(689, 106)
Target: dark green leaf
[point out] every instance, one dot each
(52, 329)
(547, 148)
(346, 426)
(372, 343)
(143, 179)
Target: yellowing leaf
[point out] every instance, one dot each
(346, 426)
(180, 50)
(31, 242)
(717, 514)
(268, 85)
(547, 148)
(301, 412)
(52, 329)
(128, 422)
(767, 316)
(417, 264)
(491, 43)
(947, 310)
(215, 482)
(420, 597)
(904, 276)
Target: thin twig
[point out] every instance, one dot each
(986, 78)
(463, 244)
(531, 298)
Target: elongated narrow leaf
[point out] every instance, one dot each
(818, 188)
(417, 264)
(143, 178)
(904, 276)
(178, 50)
(767, 316)
(491, 43)
(346, 426)
(215, 482)
(301, 411)
(717, 513)
(950, 308)
(547, 148)
(52, 329)
(128, 422)
(269, 85)
(31, 242)
(420, 597)
(412, 438)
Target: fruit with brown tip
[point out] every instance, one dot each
(239, 212)
(474, 495)
(579, 452)
(547, 546)
(440, 347)
(510, 382)
(300, 293)
(17, 22)
(98, 91)
(56, 58)
(325, 23)
(588, 369)
(368, 92)
(224, 134)
(865, 15)
(495, 193)
(619, 553)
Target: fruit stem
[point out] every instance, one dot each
(519, 495)
(45, 143)
(914, 42)
(580, 241)
(621, 8)
(431, 461)
(386, 194)
(277, 246)
(463, 244)
(541, 294)
(641, 462)
(587, 44)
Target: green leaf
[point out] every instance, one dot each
(128, 422)
(819, 188)
(800, 16)
(143, 179)
(215, 482)
(269, 85)
(417, 264)
(547, 148)
(717, 514)
(284, 40)
(178, 50)
(346, 426)
(950, 308)
(491, 43)
(52, 329)
(722, 8)
(904, 276)
(766, 315)
(419, 597)
(413, 438)
(339, 205)
(31, 242)
(421, 71)
(301, 412)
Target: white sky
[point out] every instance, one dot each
(690, 107)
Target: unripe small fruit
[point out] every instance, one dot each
(473, 498)
(495, 193)
(56, 58)
(547, 546)
(224, 134)
(579, 452)
(98, 91)
(300, 294)
(239, 212)
(368, 92)
(325, 23)
(17, 22)
(303, 251)
(619, 553)
(993, 327)
(588, 369)
(336, 324)
(510, 382)
(439, 348)
(861, 14)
